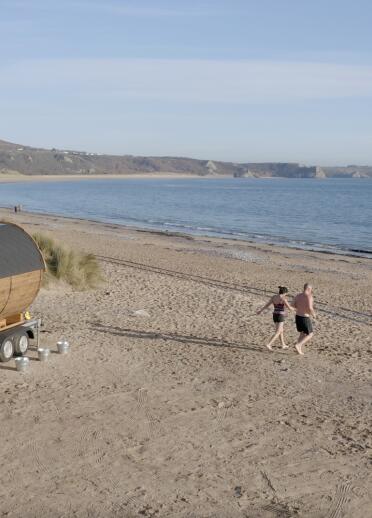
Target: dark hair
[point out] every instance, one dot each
(282, 290)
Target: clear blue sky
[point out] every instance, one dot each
(239, 80)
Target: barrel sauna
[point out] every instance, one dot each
(21, 271)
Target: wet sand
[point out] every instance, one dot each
(170, 405)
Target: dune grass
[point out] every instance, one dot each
(80, 270)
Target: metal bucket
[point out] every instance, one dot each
(43, 354)
(22, 364)
(63, 347)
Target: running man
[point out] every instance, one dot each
(303, 303)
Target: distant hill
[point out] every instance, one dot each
(21, 159)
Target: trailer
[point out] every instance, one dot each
(21, 272)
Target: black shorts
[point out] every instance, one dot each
(277, 317)
(304, 325)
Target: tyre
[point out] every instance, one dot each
(6, 348)
(21, 342)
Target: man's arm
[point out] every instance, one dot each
(311, 307)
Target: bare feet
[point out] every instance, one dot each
(299, 350)
(284, 346)
(269, 347)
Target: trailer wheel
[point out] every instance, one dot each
(6, 349)
(21, 342)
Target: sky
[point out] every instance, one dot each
(234, 80)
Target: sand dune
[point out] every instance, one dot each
(169, 404)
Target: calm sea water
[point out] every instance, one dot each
(334, 215)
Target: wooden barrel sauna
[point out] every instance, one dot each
(21, 271)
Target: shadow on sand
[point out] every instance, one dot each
(183, 339)
(7, 367)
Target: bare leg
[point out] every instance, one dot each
(279, 330)
(281, 336)
(302, 340)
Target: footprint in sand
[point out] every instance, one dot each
(36, 453)
(154, 427)
(221, 416)
(58, 412)
(11, 475)
(342, 498)
(81, 443)
(278, 510)
(92, 446)
(31, 510)
(136, 504)
(93, 513)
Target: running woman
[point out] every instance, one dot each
(280, 304)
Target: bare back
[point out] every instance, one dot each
(303, 304)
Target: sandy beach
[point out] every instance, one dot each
(169, 403)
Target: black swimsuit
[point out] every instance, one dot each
(279, 308)
(279, 312)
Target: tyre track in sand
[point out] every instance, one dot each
(359, 317)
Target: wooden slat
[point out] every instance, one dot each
(14, 319)
(11, 325)
(23, 291)
(4, 292)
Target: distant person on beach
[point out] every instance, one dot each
(280, 304)
(303, 304)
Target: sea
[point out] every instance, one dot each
(329, 215)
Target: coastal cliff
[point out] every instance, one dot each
(26, 160)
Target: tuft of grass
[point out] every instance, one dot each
(80, 270)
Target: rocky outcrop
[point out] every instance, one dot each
(244, 174)
(319, 172)
(211, 166)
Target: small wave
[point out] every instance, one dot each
(267, 239)
(179, 225)
(360, 251)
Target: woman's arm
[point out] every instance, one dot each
(265, 306)
(288, 306)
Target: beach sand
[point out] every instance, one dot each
(169, 403)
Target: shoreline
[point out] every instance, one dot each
(321, 249)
